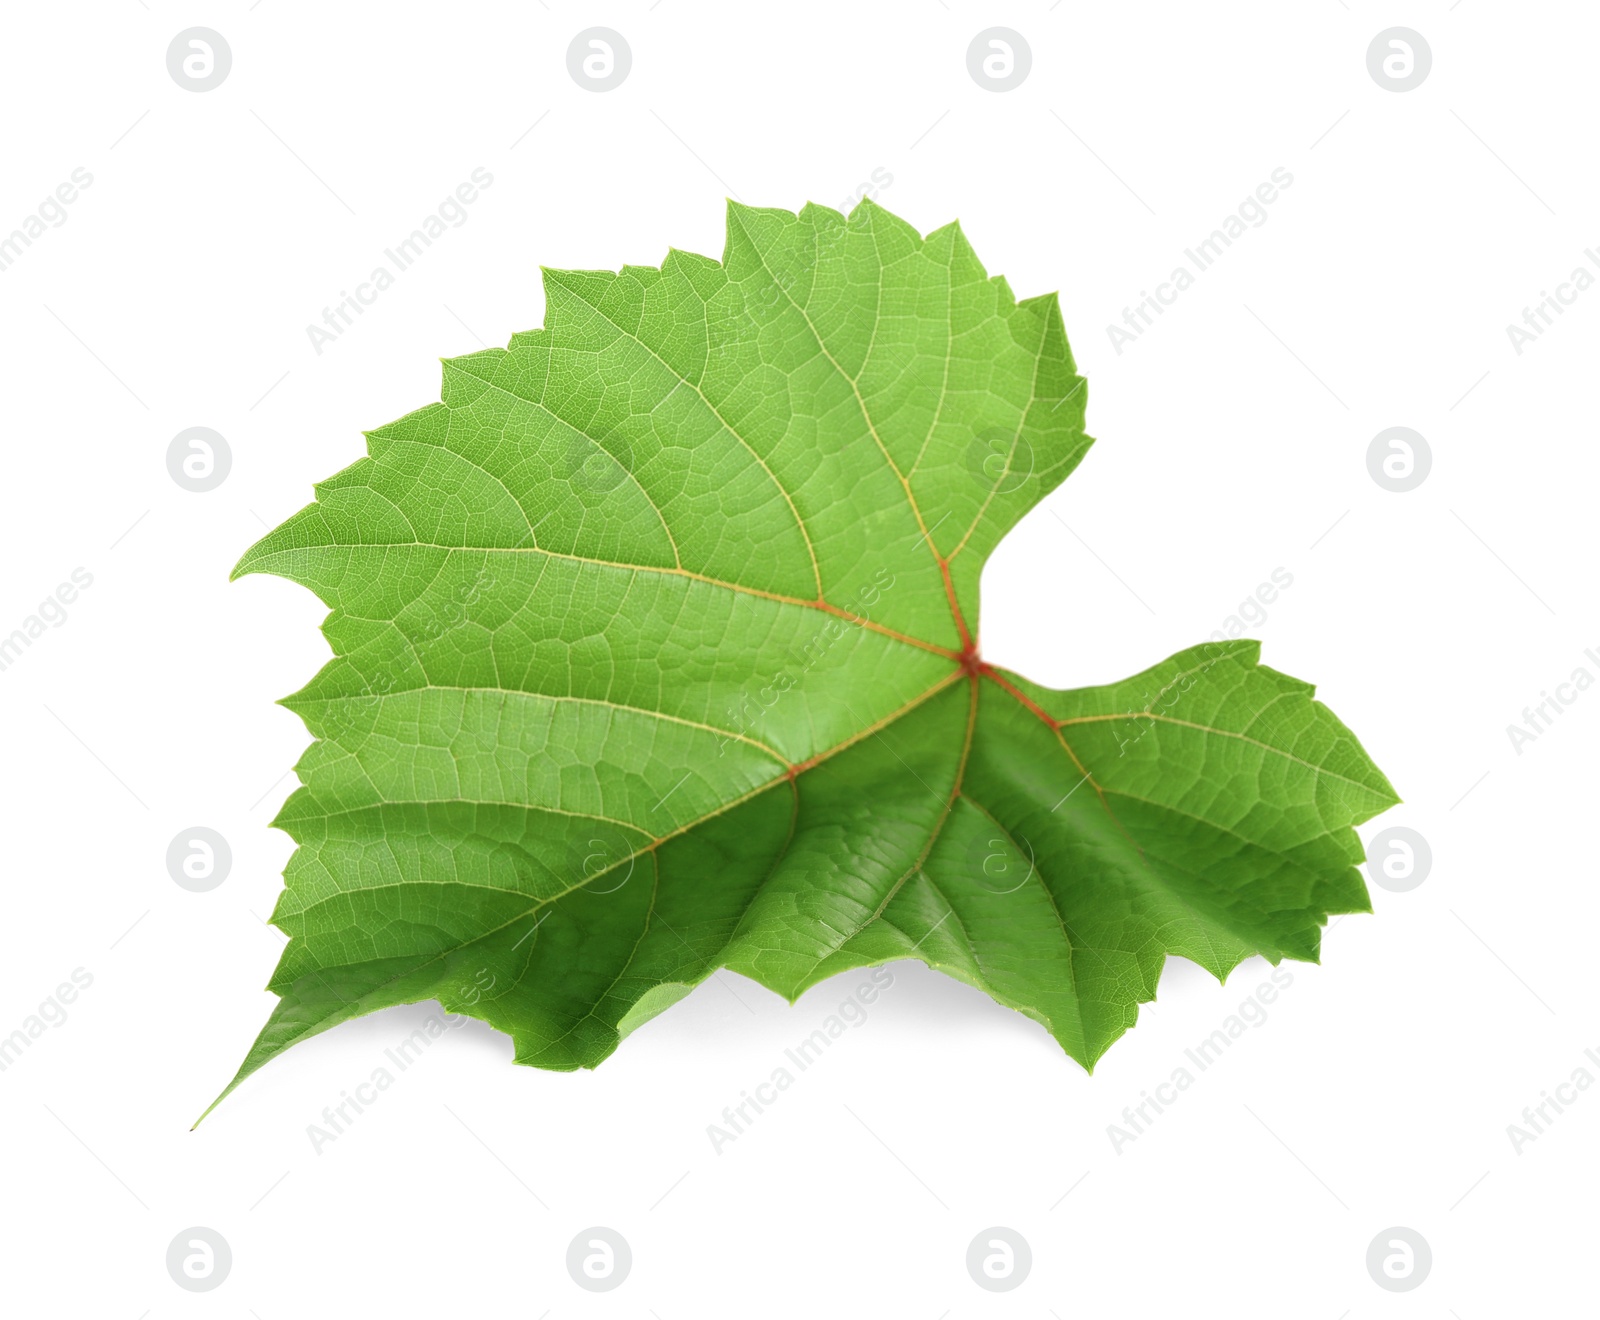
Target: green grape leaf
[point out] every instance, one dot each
(656, 651)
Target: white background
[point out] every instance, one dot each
(1233, 436)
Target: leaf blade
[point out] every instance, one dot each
(652, 655)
